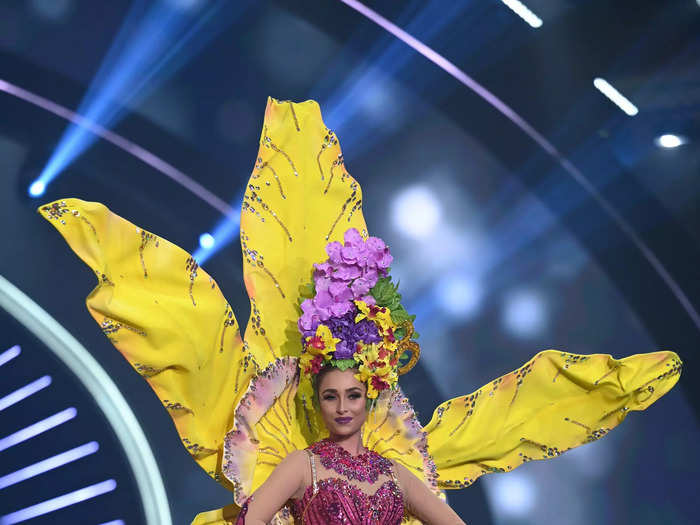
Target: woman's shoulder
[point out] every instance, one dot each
(296, 457)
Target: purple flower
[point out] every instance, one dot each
(310, 319)
(340, 291)
(347, 272)
(369, 299)
(341, 308)
(367, 331)
(379, 253)
(323, 269)
(361, 287)
(333, 250)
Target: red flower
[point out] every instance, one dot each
(316, 364)
(317, 342)
(378, 384)
(373, 310)
(390, 337)
(383, 352)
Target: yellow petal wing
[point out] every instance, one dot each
(167, 317)
(299, 198)
(555, 402)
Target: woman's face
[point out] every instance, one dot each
(343, 402)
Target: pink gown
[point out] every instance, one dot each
(347, 490)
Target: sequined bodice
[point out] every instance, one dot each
(337, 499)
(338, 502)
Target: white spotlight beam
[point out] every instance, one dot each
(524, 12)
(615, 96)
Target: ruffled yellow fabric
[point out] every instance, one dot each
(555, 402)
(238, 405)
(167, 317)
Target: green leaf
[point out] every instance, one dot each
(400, 333)
(344, 364)
(383, 291)
(308, 290)
(399, 315)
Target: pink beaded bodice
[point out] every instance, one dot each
(350, 489)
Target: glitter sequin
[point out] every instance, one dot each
(336, 501)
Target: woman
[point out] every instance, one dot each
(318, 488)
(243, 406)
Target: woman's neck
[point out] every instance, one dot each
(351, 443)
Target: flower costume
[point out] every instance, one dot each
(240, 405)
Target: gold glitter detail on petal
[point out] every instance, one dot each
(267, 142)
(337, 162)
(196, 449)
(110, 327)
(192, 267)
(146, 239)
(520, 377)
(294, 115)
(469, 403)
(256, 321)
(571, 359)
(255, 258)
(328, 141)
(103, 279)
(229, 320)
(352, 198)
(148, 371)
(56, 211)
(172, 405)
(254, 197)
(260, 165)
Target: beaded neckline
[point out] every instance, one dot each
(367, 466)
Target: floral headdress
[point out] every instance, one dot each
(353, 317)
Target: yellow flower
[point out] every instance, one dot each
(376, 369)
(323, 343)
(379, 314)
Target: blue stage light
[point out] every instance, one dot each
(206, 241)
(155, 40)
(227, 229)
(37, 188)
(24, 392)
(49, 464)
(524, 314)
(9, 354)
(59, 502)
(37, 428)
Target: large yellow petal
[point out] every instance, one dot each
(167, 317)
(555, 402)
(299, 198)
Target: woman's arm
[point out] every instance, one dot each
(422, 503)
(286, 481)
